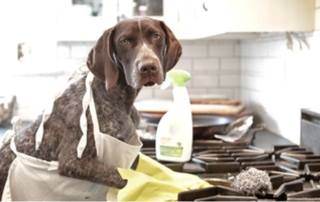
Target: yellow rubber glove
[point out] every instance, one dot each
(152, 181)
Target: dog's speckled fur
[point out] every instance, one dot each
(111, 63)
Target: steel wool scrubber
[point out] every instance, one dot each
(252, 181)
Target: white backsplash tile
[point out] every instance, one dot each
(206, 64)
(184, 63)
(250, 49)
(261, 83)
(229, 92)
(237, 49)
(194, 50)
(236, 93)
(271, 67)
(278, 48)
(197, 91)
(229, 80)
(230, 63)
(222, 50)
(205, 81)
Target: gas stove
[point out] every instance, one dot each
(293, 170)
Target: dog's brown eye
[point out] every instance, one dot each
(157, 36)
(124, 41)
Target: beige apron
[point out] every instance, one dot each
(34, 179)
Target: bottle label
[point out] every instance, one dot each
(171, 151)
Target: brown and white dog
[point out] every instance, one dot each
(134, 53)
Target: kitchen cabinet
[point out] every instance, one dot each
(165, 10)
(209, 18)
(190, 19)
(76, 23)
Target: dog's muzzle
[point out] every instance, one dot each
(149, 71)
(148, 67)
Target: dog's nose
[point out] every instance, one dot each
(147, 67)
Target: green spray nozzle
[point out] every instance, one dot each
(177, 77)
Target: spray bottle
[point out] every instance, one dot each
(174, 134)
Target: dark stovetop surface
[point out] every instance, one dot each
(294, 171)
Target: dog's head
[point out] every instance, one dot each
(143, 48)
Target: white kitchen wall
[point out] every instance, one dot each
(277, 82)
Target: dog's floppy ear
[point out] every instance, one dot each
(100, 60)
(173, 50)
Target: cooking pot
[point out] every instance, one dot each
(204, 126)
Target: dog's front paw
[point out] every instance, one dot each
(124, 182)
(114, 179)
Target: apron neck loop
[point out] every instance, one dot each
(9, 134)
(48, 110)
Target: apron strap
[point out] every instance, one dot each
(13, 147)
(96, 127)
(83, 119)
(45, 116)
